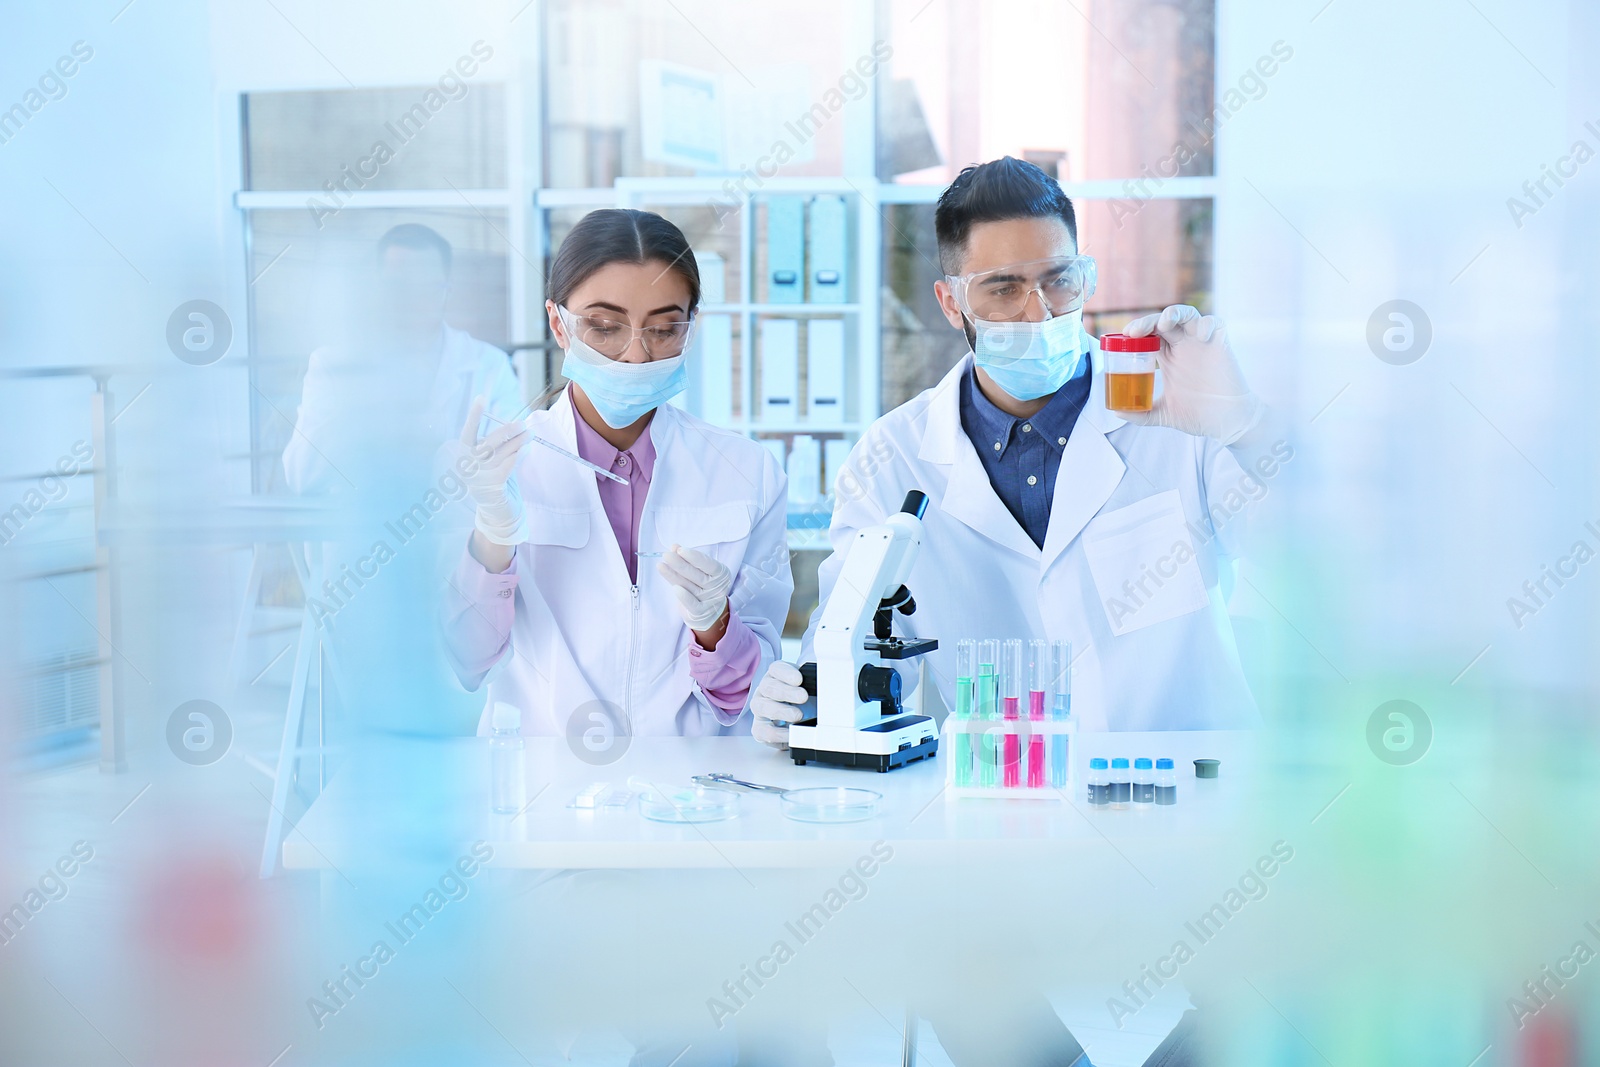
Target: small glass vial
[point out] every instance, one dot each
(1144, 781)
(1121, 783)
(508, 780)
(1099, 783)
(1166, 782)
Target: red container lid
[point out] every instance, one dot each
(1121, 342)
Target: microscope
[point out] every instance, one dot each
(859, 720)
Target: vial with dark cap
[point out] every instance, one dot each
(1144, 781)
(1166, 782)
(1121, 783)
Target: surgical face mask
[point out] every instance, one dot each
(622, 393)
(1030, 359)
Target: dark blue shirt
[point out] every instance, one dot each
(1021, 456)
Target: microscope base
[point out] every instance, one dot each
(877, 761)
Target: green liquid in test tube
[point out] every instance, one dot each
(988, 710)
(965, 653)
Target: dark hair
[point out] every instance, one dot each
(621, 235)
(1005, 188)
(418, 237)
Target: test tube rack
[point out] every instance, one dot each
(985, 739)
(1010, 733)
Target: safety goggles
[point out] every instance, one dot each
(1062, 284)
(610, 338)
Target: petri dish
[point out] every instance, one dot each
(689, 805)
(830, 803)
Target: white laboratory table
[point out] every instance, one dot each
(922, 822)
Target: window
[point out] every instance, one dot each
(1135, 82)
(1090, 91)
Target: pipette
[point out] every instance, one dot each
(552, 446)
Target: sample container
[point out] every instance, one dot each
(1130, 371)
(507, 772)
(1144, 781)
(1121, 783)
(1099, 783)
(1166, 782)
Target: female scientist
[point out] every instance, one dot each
(550, 601)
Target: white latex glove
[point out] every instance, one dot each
(1203, 391)
(700, 583)
(777, 703)
(491, 462)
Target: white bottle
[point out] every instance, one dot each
(508, 779)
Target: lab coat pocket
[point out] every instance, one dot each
(561, 527)
(703, 527)
(1143, 563)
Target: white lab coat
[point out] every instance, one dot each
(359, 424)
(583, 633)
(1125, 497)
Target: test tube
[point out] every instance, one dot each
(1038, 686)
(1011, 686)
(1061, 683)
(988, 761)
(966, 651)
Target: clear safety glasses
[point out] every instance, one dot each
(1062, 284)
(610, 338)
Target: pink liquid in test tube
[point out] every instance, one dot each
(1011, 683)
(1036, 742)
(1013, 755)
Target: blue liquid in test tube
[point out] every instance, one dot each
(1061, 710)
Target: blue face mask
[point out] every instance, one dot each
(623, 393)
(1030, 359)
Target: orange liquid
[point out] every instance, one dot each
(1130, 392)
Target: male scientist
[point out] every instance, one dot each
(1053, 517)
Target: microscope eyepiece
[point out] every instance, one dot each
(916, 503)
